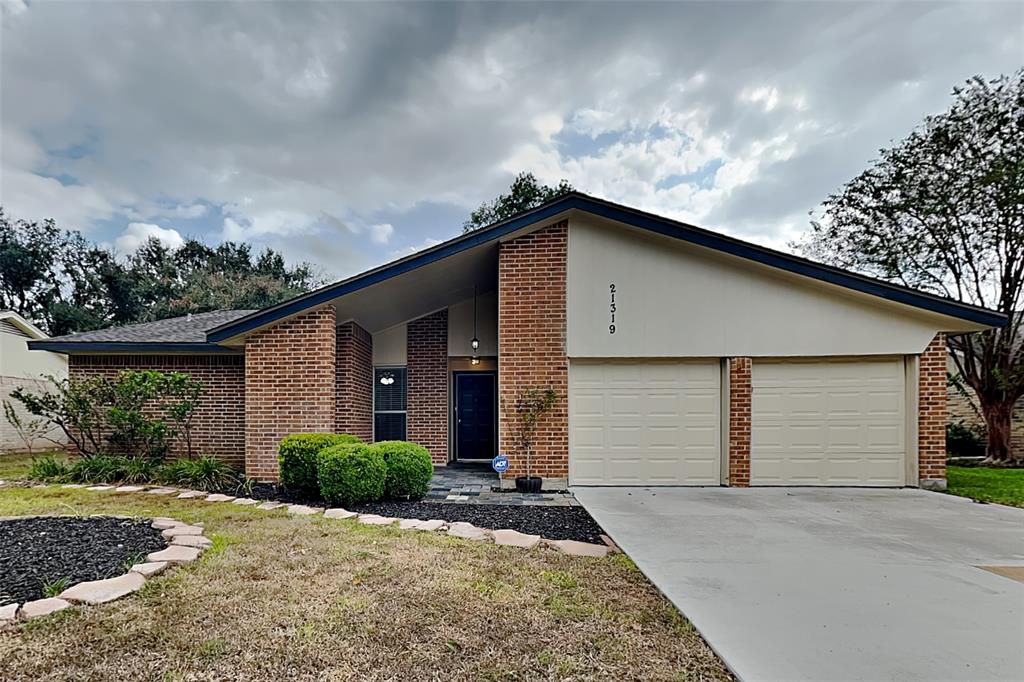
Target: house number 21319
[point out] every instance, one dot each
(611, 308)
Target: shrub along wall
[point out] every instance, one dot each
(219, 423)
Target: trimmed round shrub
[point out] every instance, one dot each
(409, 469)
(297, 458)
(349, 474)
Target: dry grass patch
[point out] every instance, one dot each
(306, 598)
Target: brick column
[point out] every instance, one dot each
(531, 342)
(289, 386)
(739, 422)
(427, 388)
(932, 415)
(353, 407)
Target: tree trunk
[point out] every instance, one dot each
(998, 421)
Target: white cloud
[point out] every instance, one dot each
(136, 234)
(381, 233)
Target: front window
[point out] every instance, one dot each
(389, 403)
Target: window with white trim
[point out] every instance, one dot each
(389, 403)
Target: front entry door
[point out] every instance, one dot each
(475, 415)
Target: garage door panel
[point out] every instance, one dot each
(659, 423)
(828, 423)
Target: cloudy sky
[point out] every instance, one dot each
(348, 134)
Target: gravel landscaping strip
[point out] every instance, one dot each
(555, 523)
(42, 550)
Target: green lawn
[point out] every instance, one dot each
(1003, 486)
(15, 466)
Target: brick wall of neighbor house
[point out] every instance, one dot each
(531, 342)
(289, 386)
(427, 384)
(961, 410)
(739, 421)
(932, 415)
(219, 423)
(353, 409)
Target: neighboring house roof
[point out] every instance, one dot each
(175, 334)
(629, 216)
(15, 323)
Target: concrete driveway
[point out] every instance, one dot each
(832, 584)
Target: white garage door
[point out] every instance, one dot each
(644, 423)
(828, 423)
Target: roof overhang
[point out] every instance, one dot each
(97, 347)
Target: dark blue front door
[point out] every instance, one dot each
(475, 415)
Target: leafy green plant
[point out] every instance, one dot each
(524, 413)
(55, 587)
(138, 470)
(201, 473)
(409, 468)
(297, 458)
(28, 430)
(71, 406)
(965, 440)
(48, 468)
(98, 469)
(351, 473)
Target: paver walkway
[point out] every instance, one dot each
(473, 483)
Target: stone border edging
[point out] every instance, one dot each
(184, 544)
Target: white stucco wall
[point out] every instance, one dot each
(389, 346)
(460, 326)
(22, 367)
(674, 299)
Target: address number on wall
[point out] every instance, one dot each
(611, 308)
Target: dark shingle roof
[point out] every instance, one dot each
(186, 329)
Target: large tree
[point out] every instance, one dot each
(65, 283)
(943, 211)
(524, 193)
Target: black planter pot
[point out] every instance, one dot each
(528, 484)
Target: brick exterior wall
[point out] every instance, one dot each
(531, 343)
(739, 421)
(289, 386)
(961, 410)
(353, 409)
(219, 423)
(427, 387)
(932, 415)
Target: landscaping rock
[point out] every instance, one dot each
(513, 538)
(375, 520)
(303, 510)
(175, 554)
(99, 488)
(461, 529)
(612, 547)
(409, 524)
(190, 494)
(163, 523)
(245, 501)
(575, 548)
(74, 486)
(129, 488)
(432, 525)
(8, 613)
(192, 541)
(162, 491)
(175, 531)
(102, 591)
(269, 506)
(339, 514)
(150, 568)
(217, 497)
(42, 607)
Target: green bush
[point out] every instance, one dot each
(297, 458)
(409, 468)
(201, 473)
(99, 469)
(48, 468)
(965, 440)
(351, 473)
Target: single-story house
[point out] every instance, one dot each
(29, 369)
(681, 356)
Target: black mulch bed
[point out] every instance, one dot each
(40, 551)
(554, 523)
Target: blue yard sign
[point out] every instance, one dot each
(500, 464)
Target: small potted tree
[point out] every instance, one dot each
(523, 415)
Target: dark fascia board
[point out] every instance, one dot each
(638, 219)
(87, 347)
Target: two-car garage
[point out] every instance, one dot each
(836, 421)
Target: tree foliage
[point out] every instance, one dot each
(65, 283)
(943, 211)
(524, 193)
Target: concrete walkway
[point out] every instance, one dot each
(832, 584)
